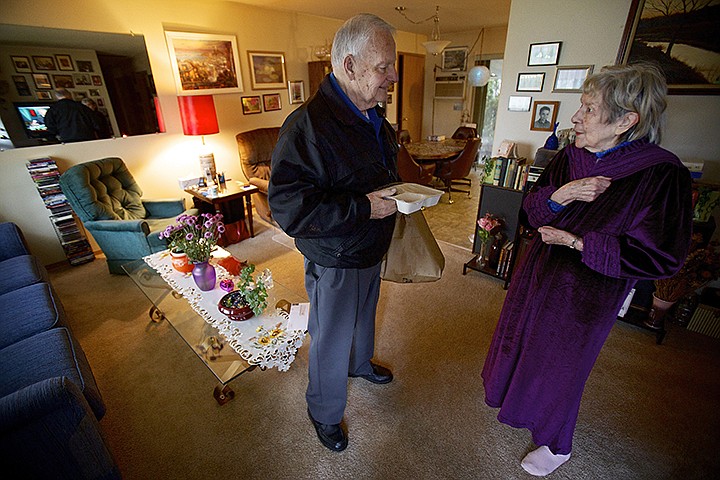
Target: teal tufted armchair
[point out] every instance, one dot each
(105, 196)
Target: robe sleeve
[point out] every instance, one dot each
(535, 203)
(656, 240)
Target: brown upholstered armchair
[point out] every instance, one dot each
(456, 171)
(411, 171)
(255, 148)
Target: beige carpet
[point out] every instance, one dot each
(649, 412)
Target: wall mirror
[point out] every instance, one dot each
(111, 69)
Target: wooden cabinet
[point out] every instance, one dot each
(316, 72)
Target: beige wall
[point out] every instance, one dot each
(157, 161)
(591, 32)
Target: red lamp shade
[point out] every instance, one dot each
(197, 113)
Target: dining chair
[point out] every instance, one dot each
(456, 170)
(463, 133)
(404, 136)
(411, 171)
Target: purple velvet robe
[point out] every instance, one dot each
(562, 303)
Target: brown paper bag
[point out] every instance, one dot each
(414, 256)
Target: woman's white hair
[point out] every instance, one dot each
(639, 88)
(355, 35)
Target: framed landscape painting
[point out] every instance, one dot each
(251, 105)
(680, 38)
(204, 64)
(267, 70)
(271, 102)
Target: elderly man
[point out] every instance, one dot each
(335, 156)
(68, 120)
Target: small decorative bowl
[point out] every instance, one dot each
(227, 285)
(232, 306)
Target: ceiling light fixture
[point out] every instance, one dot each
(479, 75)
(435, 46)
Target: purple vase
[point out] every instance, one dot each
(204, 275)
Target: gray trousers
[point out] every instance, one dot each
(342, 330)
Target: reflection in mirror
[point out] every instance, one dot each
(111, 69)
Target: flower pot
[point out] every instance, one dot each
(180, 262)
(660, 308)
(204, 275)
(233, 305)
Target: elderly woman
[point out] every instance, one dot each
(611, 209)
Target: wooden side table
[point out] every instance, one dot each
(229, 195)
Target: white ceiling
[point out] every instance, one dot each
(455, 15)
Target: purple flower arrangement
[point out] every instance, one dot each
(196, 235)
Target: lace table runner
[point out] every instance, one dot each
(262, 340)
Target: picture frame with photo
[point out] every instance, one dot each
(64, 62)
(22, 86)
(544, 53)
(44, 62)
(251, 105)
(42, 81)
(63, 81)
(296, 91)
(519, 103)
(21, 63)
(96, 80)
(267, 70)
(100, 102)
(454, 59)
(544, 115)
(44, 95)
(84, 66)
(82, 79)
(94, 92)
(272, 102)
(570, 79)
(530, 82)
(204, 63)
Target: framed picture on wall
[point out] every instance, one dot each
(21, 64)
(84, 66)
(251, 105)
(530, 82)
(570, 79)
(296, 91)
(21, 85)
(43, 62)
(64, 62)
(544, 53)
(63, 81)
(44, 95)
(271, 102)
(204, 64)
(455, 59)
(544, 115)
(267, 70)
(519, 103)
(96, 80)
(691, 66)
(82, 79)
(42, 81)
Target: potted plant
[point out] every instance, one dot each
(196, 236)
(490, 234)
(250, 298)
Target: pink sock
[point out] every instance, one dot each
(542, 461)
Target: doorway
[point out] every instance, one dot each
(411, 86)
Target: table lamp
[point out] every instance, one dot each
(197, 113)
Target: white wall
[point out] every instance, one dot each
(156, 161)
(591, 32)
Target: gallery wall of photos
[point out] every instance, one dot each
(32, 73)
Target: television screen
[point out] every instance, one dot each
(32, 116)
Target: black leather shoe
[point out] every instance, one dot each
(332, 436)
(379, 375)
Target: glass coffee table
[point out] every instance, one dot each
(227, 348)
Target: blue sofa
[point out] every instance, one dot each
(50, 405)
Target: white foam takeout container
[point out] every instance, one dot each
(411, 197)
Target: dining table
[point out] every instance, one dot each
(433, 151)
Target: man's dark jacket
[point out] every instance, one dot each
(326, 160)
(71, 121)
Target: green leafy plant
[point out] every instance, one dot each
(196, 235)
(251, 292)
